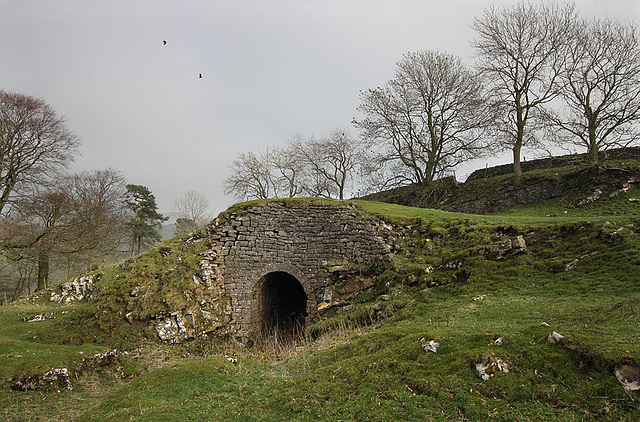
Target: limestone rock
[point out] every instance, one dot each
(54, 380)
(629, 377)
(497, 342)
(429, 346)
(39, 317)
(109, 360)
(555, 337)
(488, 366)
(172, 328)
(509, 247)
(79, 289)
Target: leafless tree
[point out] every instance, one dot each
(34, 142)
(329, 162)
(79, 222)
(521, 50)
(251, 177)
(601, 87)
(193, 211)
(430, 118)
(288, 170)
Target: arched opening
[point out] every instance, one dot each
(283, 305)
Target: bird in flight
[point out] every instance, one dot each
(164, 42)
(199, 75)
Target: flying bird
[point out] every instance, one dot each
(164, 42)
(199, 75)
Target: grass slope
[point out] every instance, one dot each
(577, 276)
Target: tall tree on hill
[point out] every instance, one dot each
(601, 87)
(34, 142)
(427, 120)
(145, 218)
(521, 50)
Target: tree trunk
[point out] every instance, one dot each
(43, 270)
(592, 153)
(518, 176)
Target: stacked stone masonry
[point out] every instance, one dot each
(307, 240)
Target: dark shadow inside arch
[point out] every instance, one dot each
(283, 305)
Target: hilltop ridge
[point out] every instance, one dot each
(491, 190)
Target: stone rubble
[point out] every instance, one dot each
(55, 379)
(629, 377)
(77, 290)
(488, 366)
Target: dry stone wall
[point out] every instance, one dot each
(311, 241)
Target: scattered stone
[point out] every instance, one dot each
(509, 247)
(575, 262)
(555, 337)
(629, 377)
(107, 360)
(497, 342)
(54, 380)
(488, 366)
(429, 346)
(589, 199)
(39, 317)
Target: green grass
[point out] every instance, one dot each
(446, 284)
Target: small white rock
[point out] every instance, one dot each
(555, 337)
(430, 346)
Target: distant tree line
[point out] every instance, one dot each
(543, 76)
(54, 220)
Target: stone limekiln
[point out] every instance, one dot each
(278, 262)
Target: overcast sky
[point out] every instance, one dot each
(270, 69)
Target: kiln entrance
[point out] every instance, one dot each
(283, 305)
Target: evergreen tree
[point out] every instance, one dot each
(145, 219)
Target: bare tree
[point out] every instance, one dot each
(521, 50)
(251, 177)
(34, 141)
(430, 117)
(192, 210)
(80, 220)
(330, 162)
(288, 170)
(601, 87)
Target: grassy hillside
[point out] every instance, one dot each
(451, 283)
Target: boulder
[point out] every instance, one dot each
(79, 289)
(508, 248)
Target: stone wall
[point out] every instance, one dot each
(551, 162)
(311, 241)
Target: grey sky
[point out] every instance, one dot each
(270, 69)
